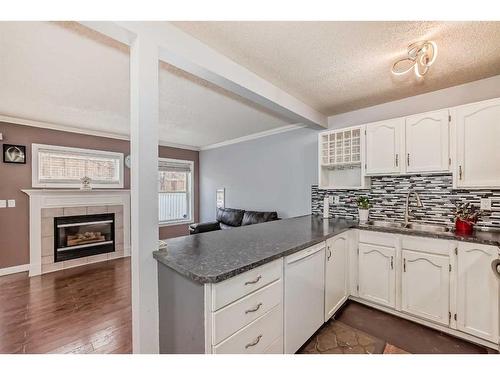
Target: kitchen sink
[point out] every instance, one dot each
(385, 224)
(410, 226)
(428, 227)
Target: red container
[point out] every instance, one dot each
(463, 227)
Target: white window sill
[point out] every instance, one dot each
(177, 222)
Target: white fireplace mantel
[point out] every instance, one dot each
(54, 198)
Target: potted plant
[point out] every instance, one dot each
(466, 215)
(363, 208)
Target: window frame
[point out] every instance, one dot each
(35, 176)
(190, 194)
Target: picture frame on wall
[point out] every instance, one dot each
(220, 198)
(14, 154)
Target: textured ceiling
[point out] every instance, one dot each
(337, 67)
(65, 74)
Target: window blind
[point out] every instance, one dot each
(173, 166)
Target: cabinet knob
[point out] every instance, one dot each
(495, 265)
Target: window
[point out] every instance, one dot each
(175, 187)
(64, 167)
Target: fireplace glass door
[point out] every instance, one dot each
(83, 235)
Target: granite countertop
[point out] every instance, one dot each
(215, 256)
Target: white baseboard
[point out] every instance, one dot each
(14, 269)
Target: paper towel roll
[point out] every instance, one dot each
(326, 208)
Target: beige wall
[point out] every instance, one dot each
(14, 222)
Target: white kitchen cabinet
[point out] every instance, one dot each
(341, 159)
(336, 273)
(304, 295)
(426, 286)
(377, 276)
(384, 147)
(477, 291)
(477, 128)
(427, 142)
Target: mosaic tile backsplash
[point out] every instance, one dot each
(388, 196)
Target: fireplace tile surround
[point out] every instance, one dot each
(47, 204)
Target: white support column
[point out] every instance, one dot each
(144, 114)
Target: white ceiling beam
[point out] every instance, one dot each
(191, 55)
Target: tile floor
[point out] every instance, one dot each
(359, 329)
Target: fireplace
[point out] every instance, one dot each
(83, 235)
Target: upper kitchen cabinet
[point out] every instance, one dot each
(341, 159)
(427, 142)
(384, 144)
(477, 137)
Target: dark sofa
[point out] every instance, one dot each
(230, 218)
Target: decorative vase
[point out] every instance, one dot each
(463, 227)
(363, 215)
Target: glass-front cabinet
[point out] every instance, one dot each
(341, 159)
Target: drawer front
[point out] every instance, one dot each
(426, 245)
(378, 238)
(256, 337)
(235, 316)
(276, 347)
(232, 289)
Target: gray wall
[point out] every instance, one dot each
(457, 95)
(273, 173)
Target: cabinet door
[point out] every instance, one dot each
(426, 286)
(384, 141)
(336, 274)
(377, 278)
(477, 291)
(427, 142)
(478, 154)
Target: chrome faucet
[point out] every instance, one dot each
(407, 207)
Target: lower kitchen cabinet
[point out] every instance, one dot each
(425, 286)
(336, 273)
(377, 277)
(477, 291)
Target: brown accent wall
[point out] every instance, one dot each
(14, 222)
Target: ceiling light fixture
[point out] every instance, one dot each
(421, 55)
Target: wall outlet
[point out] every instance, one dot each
(3, 203)
(337, 199)
(11, 203)
(330, 199)
(486, 204)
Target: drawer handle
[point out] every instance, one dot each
(254, 281)
(254, 309)
(255, 342)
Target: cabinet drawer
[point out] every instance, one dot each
(256, 337)
(276, 347)
(378, 238)
(230, 290)
(235, 316)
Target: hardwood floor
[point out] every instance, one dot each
(81, 310)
